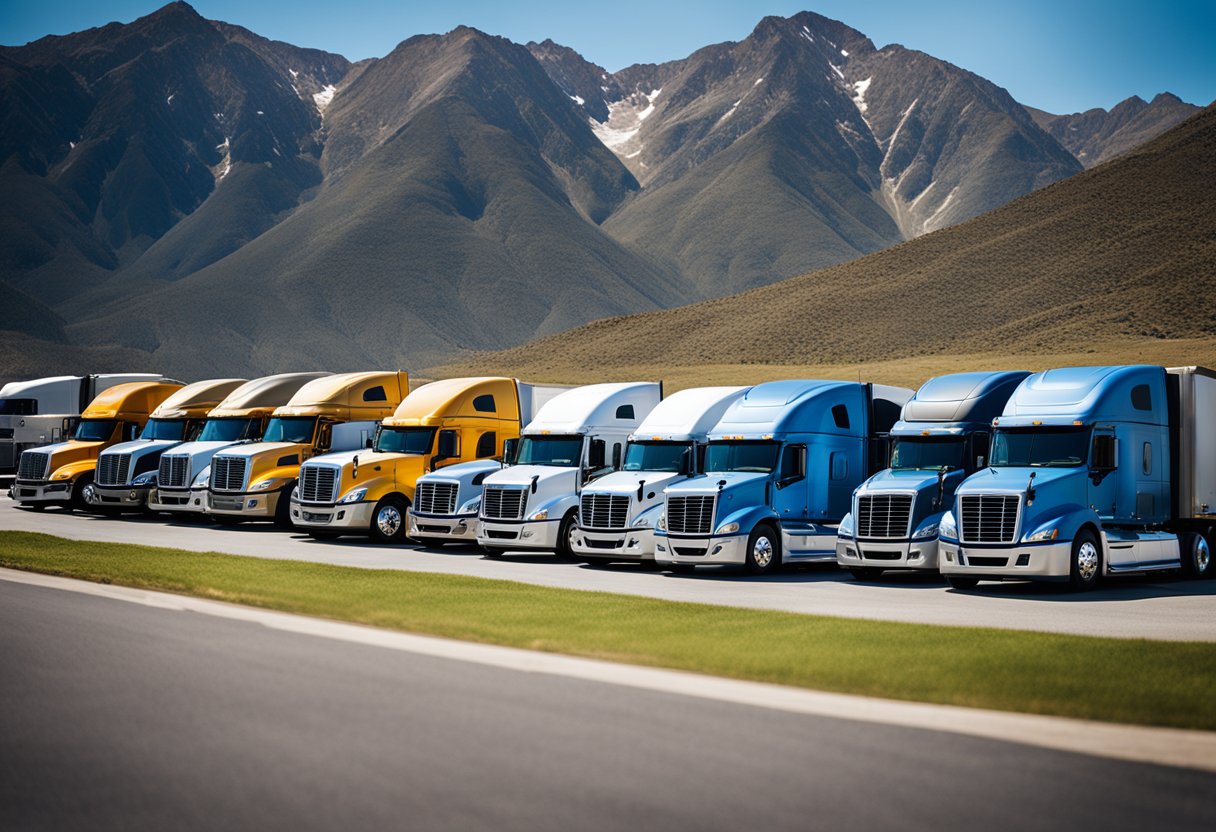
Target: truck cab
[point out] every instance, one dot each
(942, 437)
(338, 412)
(126, 472)
(1093, 471)
(444, 423)
(582, 433)
(618, 512)
(63, 473)
(780, 469)
(240, 419)
(43, 411)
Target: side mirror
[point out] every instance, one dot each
(686, 463)
(1105, 453)
(510, 449)
(324, 436)
(449, 444)
(597, 455)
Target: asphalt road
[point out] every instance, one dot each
(1158, 606)
(120, 716)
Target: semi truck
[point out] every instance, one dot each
(533, 502)
(780, 469)
(370, 491)
(44, 410)
(241, 418)
(1094, 471)
(338, 412)
(617, 512)
(63, 473)
(942, 437)
(126, 472)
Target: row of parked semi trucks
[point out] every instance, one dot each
(1068, 474)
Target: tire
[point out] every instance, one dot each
(1085, 569)
(1196, 553)
(492, 552)
(78, 501)
(282, 509)
(763, 550)
(961, 582)
(565, 531)
(388, 520)
(865, 574)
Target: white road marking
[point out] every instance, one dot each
(1163, 746)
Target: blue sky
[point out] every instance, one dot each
(1060, 55)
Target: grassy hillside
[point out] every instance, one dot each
(1115, 264)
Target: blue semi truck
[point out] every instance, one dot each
(779, 472)
(1094, 471)
(941, 438)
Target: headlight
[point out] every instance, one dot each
(60, 475)
(471, 507)
(846, 526)
(946, 526)
(354, 496)
(263, 485)
(1048, 533)
(642, 522)
(662, 524)
(927, 530)
(729, 528)
(146, 478)
(203, 479)
(543, 514)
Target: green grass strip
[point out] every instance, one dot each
(1118, 680)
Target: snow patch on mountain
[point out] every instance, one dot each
(322, 98)
(619, 133)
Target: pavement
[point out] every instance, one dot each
(1159, 606)
(151, 715)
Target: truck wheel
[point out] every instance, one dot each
(960, 582)
(1086, 562)
(565, 535)
(1196, 555)
(282, 509)
(388, 520)
(79, 501)
(865, 574)
(763, 550)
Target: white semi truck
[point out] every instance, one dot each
(45, 410)
(618, 512)
(533, 503)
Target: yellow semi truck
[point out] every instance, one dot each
(338, 412)
(369, 491)
(62, 474)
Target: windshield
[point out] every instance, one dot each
(929, 452)
(230, 430)
(297, 429)
(94, 430)
(18, 407)
(405, 440)
(173, 429)
(562, 451)
(656, 456)
(751, 457)
(1038, 447)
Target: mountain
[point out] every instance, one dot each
(1097, 135)
(1122, 252)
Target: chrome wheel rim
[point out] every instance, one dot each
(388, 521)
(1203, 556)
(762, 552)
(89, 493)
(1087, 561)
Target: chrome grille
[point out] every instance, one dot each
(114, 469)
(499, 503)
(228, 473)
(33, 466)
(989, 518)
(436, 497)
(604, 511)
(318, 484)
(173, 471)
(884, 515)
(690, 515)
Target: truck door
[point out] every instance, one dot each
(1103, 488)
(790, 487)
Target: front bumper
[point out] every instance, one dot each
(456, 527)
(256, 505)
(628, 544)
(1046, 561)
(539, 534)
(887, 554)
(42, 492)
(126, 496)
(177, 499)
(730, 549)
(351, 517)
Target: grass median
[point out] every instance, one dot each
(1118, 680)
